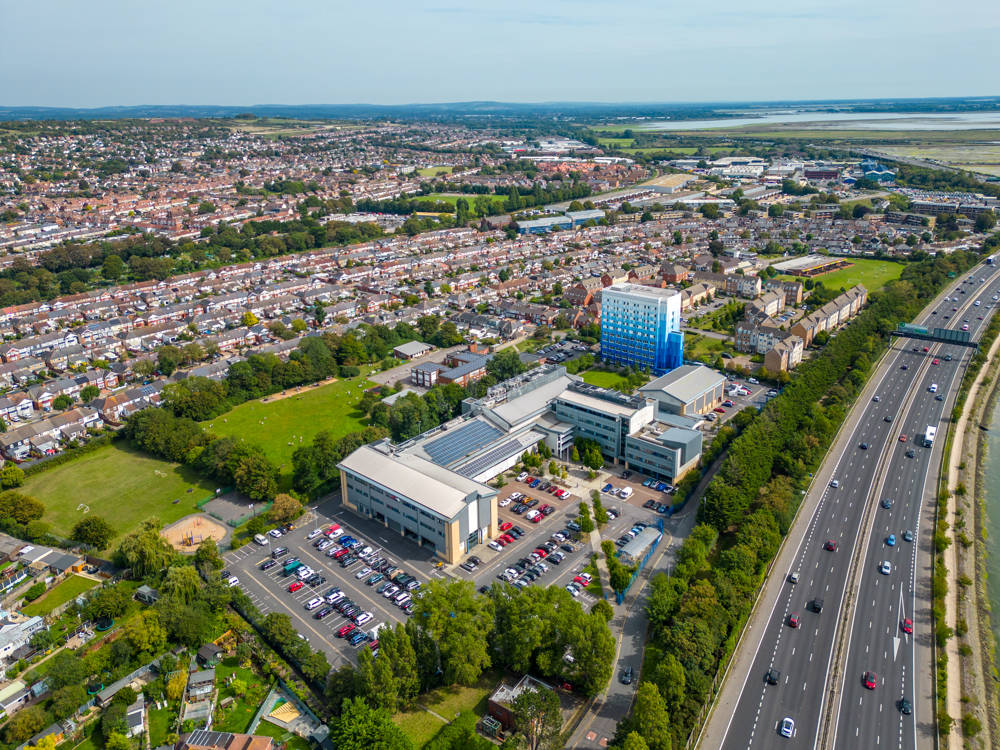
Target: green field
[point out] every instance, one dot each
(159, 725)
(420, 726)
(452, 198)
(64, 591)
(123, 486)
(704, 348)
(433, 171)
(605, 379)
(874, 274)
(282, 426)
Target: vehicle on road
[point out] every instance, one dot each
(905, 707)
(831, 545)
(891, 540)
(885, 568)
(886, 502)
(793, 620)
(772, 676)
(863, 446)
(907, 626)
(793, 577)
(787, 728)
(908, 535)
(627, 676)
(902, 438)
(835, 483)
(870, 680)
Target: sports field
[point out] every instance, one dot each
(121, 485)
(280, 425)
(874, 274)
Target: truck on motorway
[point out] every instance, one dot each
(929, 436)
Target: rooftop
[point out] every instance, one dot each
(685, 383)
(650, 292)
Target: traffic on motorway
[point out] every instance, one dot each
(869, 514)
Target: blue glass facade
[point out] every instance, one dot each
(641, 327)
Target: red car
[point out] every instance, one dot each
(541, 553)
(907, 626)
(582, 580)
(529, 480)
(346, 630)
(505, 525)
(339, 554)
(902, 438)
(793, 621)
(538, 518)
(331, 528)
(871, 680)
(935, 362)
(831, 545)
(719, 409)
(295, 586)
(507, 538)
(926, 349)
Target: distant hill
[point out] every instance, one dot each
(578, 111)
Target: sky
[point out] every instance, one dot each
(129, 52)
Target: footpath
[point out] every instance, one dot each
(965, 673)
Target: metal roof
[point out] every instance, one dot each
(686, 383)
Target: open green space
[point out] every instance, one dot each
(452, 198)
(874, 274)
(704, 348)
(159, 720)
(448, 702)
(616, 142)
(433, 171)
(64, 591)
(282, 425)
(606, 379)
(281, 736)
(120, 484)
(237, 716)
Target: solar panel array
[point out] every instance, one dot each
(489, 458)
(467, 439)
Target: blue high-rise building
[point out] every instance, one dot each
(641, 327)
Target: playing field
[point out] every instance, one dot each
(280, 425)
(604, 379)
(121, 485)
(874, 274)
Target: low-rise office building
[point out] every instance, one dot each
(690, 389)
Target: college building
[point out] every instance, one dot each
(432, 488)
(641, 327)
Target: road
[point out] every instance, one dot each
(804, 655)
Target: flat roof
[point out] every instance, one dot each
(412, 347)
(597, 404)
(652, 292)
(686, 383)
(526, 405)
(434, 487)
(805, 262)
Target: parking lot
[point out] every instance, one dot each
(516, 554)
(269, 589)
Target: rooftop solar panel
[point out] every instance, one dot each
(489, 458)
(462, 441)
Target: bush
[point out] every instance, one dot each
(35, 591)
(971, 726)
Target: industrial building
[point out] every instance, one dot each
(641, 327)
(690, 389)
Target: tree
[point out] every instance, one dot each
(460, 622)
(11, 475)
(649, 717)
(66, 670)
(634, 741)
(93, 530)
(67, 699)
(145, 551)
(168, 358)
(117, 741)
(107, 603)
(602, 608)
(505, 364)
(113, 720)
(249, 319)
(62, 402)
(256, 477)
(586, 522)
(182, 583)
(25, 723)
(113, 268)
(207, 554)
(537, 718)
(176, 685)
(88, 393)
(206, 207)
(285, 508)
(361, 727)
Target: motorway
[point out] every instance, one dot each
(825, 701)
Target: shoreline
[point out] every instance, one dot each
(970, 644)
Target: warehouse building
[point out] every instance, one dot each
(690, 389)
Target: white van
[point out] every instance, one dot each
(933, 388)
(260, 539)
(626, 492)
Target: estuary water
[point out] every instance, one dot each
(842, 121)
